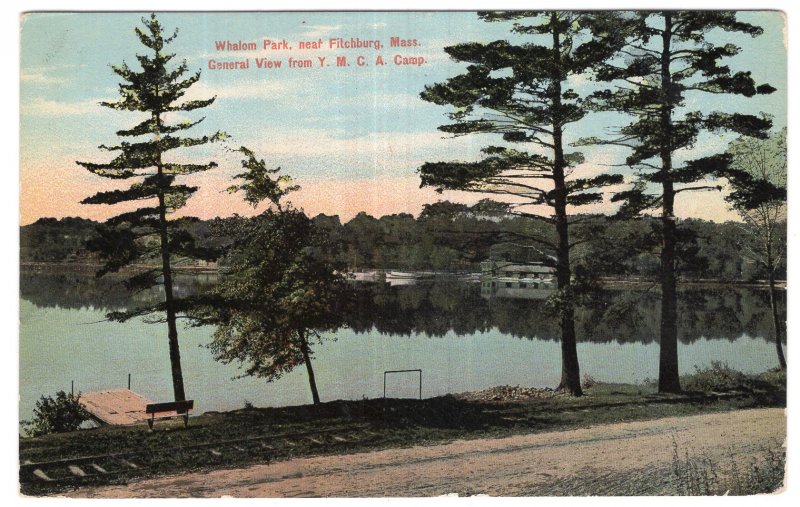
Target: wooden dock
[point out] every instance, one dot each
(116, 406)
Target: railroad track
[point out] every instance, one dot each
(55, 475)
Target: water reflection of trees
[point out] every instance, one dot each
(73, 290)
(621, 316)
(436, 309)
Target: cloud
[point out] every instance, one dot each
(238, 90)
(320, 30)
(46, 107)
(38, 76)
(384, 146)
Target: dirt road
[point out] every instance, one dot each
(620, 459)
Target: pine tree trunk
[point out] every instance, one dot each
(668, 377)
(773, 303)
(570, 368)
(169, 301)
(172, 328)
(307, 359)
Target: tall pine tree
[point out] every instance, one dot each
(669, 57)
(521, 91)
(147, 234)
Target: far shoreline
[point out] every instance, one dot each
(606, 282)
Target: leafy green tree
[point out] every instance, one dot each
(146, 234)
(275, 297)
(759, 195)
(61, 414)
(666, 59)
(521, 92)
(277, 293)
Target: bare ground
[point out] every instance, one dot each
(633, 458)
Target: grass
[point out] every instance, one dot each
(393, 423)
(698, 475)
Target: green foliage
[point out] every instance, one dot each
(51, 240)
(759, 194)
(665, 60)
(516, 91)
(456, 237)
(145, 234)
(718, 378)
(701, 476)
(258, 186)
(521, 93)
(273, 295)
(56, 415)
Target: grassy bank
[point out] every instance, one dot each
(209, 441)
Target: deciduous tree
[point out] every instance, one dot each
(760, 198)
(277, 294)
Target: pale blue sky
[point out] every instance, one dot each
(320, 125)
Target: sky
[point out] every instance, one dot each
(352, 137)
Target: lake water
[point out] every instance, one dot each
(461, 340)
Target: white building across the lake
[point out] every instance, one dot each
(508, 279)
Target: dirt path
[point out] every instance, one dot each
(622, 459)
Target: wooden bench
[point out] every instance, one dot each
(169, 410)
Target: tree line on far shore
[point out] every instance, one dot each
(438, 241)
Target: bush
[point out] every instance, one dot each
(718, 378)
(56, 415)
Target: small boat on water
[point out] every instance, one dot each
(401, 278)
(402, 275)
(364, 276)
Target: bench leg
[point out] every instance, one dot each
(186, 420)
(150, 423)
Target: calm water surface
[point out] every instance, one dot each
(461, 340)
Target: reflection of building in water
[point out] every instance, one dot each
(524, 281)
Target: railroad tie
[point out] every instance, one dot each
(289, 443)
(339, 439)
(315, 441)
(41, 475)
(128, 463)
(99, 468)
(77, 471)
(240, 449)
(216, 452)
(266, 445)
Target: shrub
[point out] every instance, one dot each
(56, 415)
(718, 377)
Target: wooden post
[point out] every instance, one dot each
(72, 388)
(129, 381)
